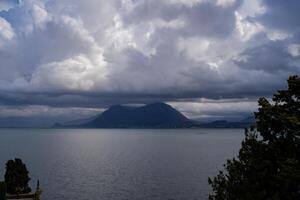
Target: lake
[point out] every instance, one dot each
(121, 164)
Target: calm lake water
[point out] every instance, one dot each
(109, 164)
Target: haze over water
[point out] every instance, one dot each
(119, 164)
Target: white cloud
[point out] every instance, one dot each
(40, 16)
(246, 28)
(204, 108)
(189, 3)
(225, 2)
(118, 37)
(195, 48)
(294, 50)
(73, 74)
(277, 35)
(252, 8)
(6, 32)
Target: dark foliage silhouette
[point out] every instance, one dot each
(268, 163)
(16, 177)
(2, 191)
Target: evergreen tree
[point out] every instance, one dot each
(268, 163)
(16, 177)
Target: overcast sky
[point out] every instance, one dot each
(208, 58)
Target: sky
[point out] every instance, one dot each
(210, 59)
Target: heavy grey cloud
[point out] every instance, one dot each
(96, 53)
(207, 18)
(281, 15)
(272, 57)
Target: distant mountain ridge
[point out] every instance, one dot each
(155, 115)
(225, 124)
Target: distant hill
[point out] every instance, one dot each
(226, 124)
(156, 115)
(75, 123)
(249, 119)
(245, 122)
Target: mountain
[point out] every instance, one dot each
(156, 115)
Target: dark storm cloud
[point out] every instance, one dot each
(272, 57)
(281, 15)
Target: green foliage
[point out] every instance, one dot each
(2, 191)
(16, 177)
(268, 163)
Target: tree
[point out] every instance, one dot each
(16, 177)
(268, 163)
(2, 191)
